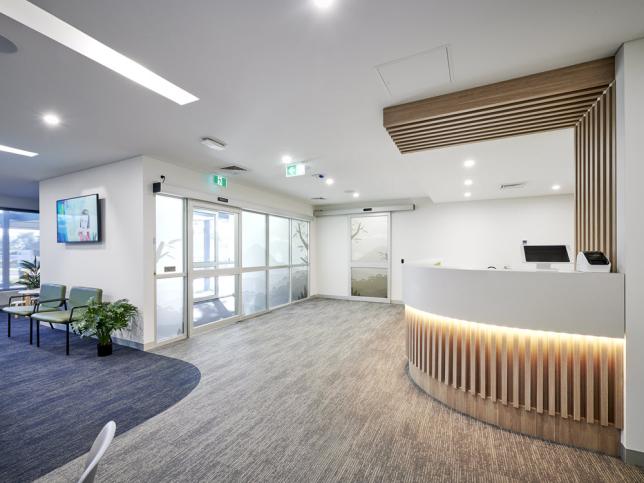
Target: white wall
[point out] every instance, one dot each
(630, 235)
(114, 264)
(470, 234)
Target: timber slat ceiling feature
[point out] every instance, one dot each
(550, 100)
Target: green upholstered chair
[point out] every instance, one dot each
(52, 296)
(79, 298)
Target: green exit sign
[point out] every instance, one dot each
(295, 169)
(220, 181)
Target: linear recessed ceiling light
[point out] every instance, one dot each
(21, 152)
(213, 144)
(56, 29)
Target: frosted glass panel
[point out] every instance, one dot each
(278, 232)
(299, 283)
(254, 292)
(299, 242)
(369, 239)
(369, 282)
(169, 235)
(169, 307)
(253, 239)
(278, 287)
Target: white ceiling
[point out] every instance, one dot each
(274, 77)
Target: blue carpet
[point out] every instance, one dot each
(52, 406)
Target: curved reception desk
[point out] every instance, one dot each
(539, 353)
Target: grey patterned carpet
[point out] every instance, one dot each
(52, 406)
(318, 391)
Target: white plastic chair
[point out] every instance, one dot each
(101, 443)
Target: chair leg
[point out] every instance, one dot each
(67, 339)
(31, 331)
(37, 333)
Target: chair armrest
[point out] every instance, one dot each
(15, 297)
(71, 315)
(40, 302)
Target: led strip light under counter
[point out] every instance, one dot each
(561, 387)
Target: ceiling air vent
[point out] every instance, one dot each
(234, 169)
(512, 186)
(319, 198)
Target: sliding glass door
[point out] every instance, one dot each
(369, 266)
(214, 269)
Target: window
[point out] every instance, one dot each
(19, 241)
(253, 239)
(278, 241)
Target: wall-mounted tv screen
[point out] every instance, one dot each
(78, 220)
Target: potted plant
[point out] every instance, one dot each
(30, 274)
(102, 319)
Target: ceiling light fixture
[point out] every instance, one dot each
(287, 159)
(21, 152)
(323, 4)
(556, 187)
(467, 194)
(356, 195)
(51, 119)
(56, 29)
(468, 182)
(469, 163)
(213, 144)
(330, 181)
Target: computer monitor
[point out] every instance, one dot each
(545, 255)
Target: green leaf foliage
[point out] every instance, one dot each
(103, 319)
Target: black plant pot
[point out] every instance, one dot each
(104, 350)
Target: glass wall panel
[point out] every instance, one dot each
(278, 241)
(253, 239)
(299, 242)
(20, 233)
(254, 292)
(169, 235)
(170, 308)
(369, 239)
(203, 239)
(213, 299)
(369, 282)
(278, 287)
(226, 239)
(299, 283)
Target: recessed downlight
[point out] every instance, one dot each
(51, 119)
(21, 152)
(287, 159)
(468, 182)
(356, 195)
(467, 194)
(556, 187)
(469, 163)
(56, 29)
(323, 4)
(330, 181)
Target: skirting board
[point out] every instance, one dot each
(631, 456)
